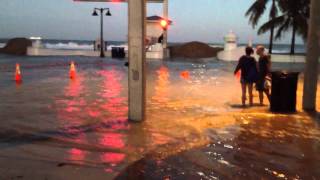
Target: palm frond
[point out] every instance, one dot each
(283, 28)
(256, 11)
(272, 23)
(274, 9)
(302, 26)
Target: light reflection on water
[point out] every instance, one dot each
(108, 105)
(189, 106)
(161, 87)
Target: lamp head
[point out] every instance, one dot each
(108, 13)
(94, 13)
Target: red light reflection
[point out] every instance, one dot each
(116, 104)
(113, 140)
(76, 110)
(69, 117)
(77, 155)
(113, 158)
(117, 108)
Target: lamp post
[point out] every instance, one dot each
(101, 24)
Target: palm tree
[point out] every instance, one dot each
(295, 14)
(256, 11)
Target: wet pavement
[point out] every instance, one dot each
(257, 146)
(56, 128)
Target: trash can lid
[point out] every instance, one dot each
(284, 72)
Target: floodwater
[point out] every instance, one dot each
(56, 128)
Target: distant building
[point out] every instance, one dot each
(154, 29)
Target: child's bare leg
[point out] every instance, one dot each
(261, 97)
(267, 92)
(250, 87)
(244, 92)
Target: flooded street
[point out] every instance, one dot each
(56, 128)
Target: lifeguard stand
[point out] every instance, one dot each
(155, 35)
(154, 30)
(230, 41)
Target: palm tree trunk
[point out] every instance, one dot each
(271, 40)
(293, 40)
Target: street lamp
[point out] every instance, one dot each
(95, 13)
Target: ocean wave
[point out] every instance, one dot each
(286, 51)
(76, 46)
(70, 46)
(280, 51)
(2, 45)
(216, 45)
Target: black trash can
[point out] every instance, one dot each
(118, 52)
(284, 92)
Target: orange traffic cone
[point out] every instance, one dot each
(18, 77)
(72, 70)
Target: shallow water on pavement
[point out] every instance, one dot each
(53, 122)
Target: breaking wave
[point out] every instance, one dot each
(78, 46)
(2, 45)
(70, 45)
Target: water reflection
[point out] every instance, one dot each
(73, 99)
(103, 115)
(255, 146)
(191, 127)
(116, 106)
(69, 117)
(113, 158)
(115, 102)
(161, 89)
(77, 155)
(268, 146)
(114, 140)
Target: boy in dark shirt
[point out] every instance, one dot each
(247, 65)
(264, 66)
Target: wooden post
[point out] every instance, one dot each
(137, 79)
(311, 69)
(165, 33)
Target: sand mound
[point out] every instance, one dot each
(194, 50)
(16, 46)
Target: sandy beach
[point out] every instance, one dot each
(56, 128)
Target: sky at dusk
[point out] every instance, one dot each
(201, 20)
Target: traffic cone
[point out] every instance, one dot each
(72, 70)
(18, 77)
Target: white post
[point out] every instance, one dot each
(137, 79)
(311, 69)
(165, 33)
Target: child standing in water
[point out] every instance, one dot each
(249, 74)
(264, 71)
